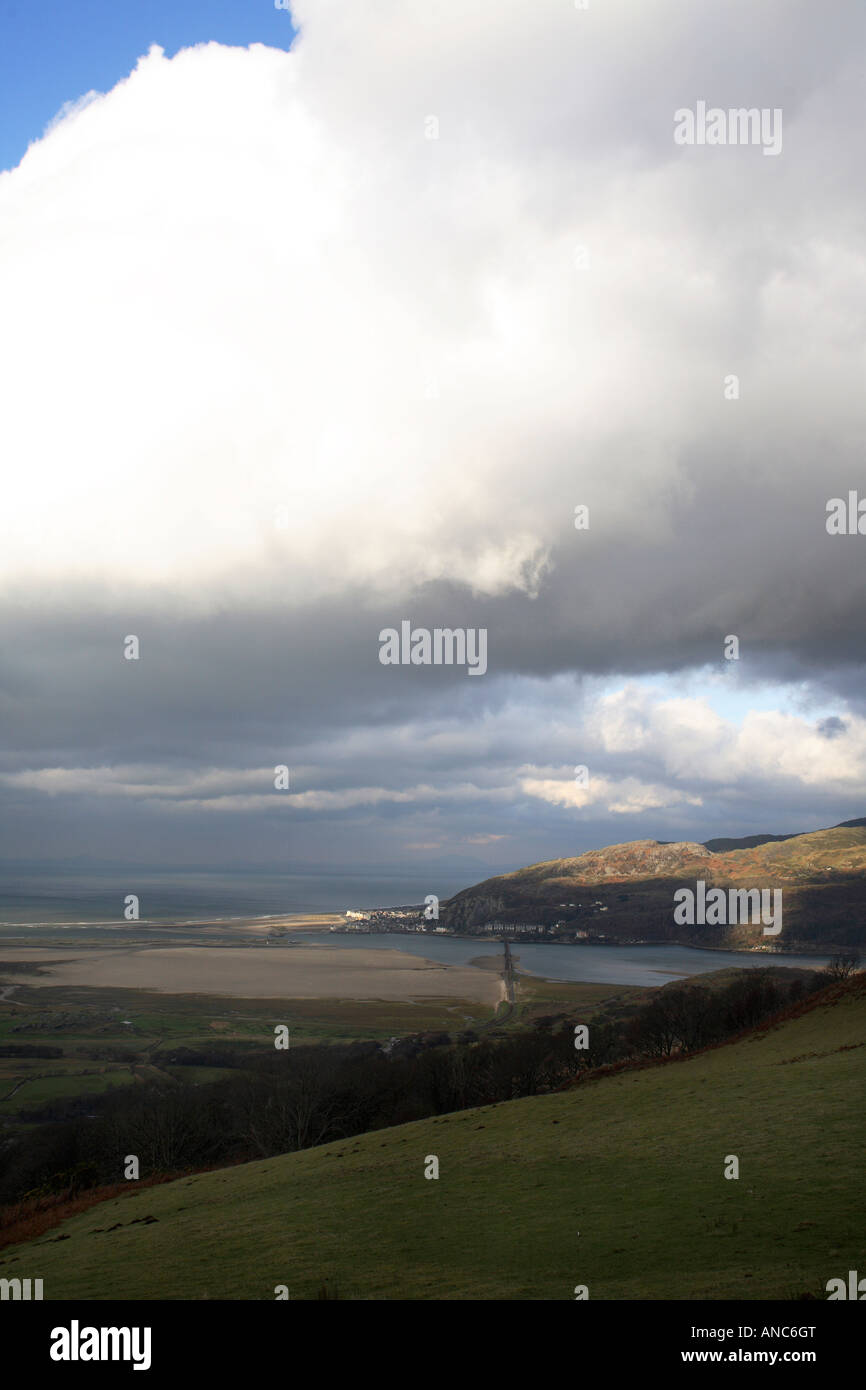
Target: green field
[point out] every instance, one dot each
(616, 1184)
(87, 1024)
(79, 1018)
(563, 999)
(54, 1084)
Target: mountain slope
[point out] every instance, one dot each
(720, 846)
(822, 875)
(617, 1184)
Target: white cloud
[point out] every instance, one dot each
(228, 282)
(139, 781)
(70, 109)
(688, 740)
(237, 790)
(617, 796)
(645, 751)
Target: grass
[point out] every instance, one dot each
(536, 997)
(197, 1076)
(64, 1085)
(74, 1018)
(617, 1184)
(87, 1024)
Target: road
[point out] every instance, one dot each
(508, 973)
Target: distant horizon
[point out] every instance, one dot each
(375, 870)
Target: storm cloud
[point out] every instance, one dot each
(298, 346)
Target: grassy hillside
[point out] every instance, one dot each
(617, 1184)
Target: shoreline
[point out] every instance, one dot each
(320, 925)
(804, 950)
(323, 923)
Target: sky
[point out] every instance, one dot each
(57, 51)
(319, 322)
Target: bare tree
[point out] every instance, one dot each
(843, 965)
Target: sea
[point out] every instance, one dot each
(30, 902)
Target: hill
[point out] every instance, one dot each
(822, 875)
(616, 1183)
(751, 841)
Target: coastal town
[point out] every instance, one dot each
(412, 918)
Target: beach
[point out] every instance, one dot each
(263, 971)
